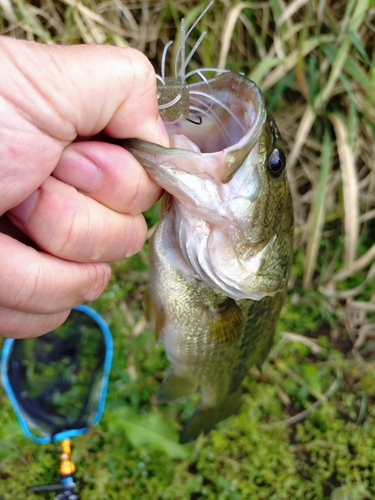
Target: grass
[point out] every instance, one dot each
(306, 429)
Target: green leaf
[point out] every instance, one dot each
(358, 45)
(318, 210)
(150, 431)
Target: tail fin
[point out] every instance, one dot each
(204, 419)
(176, 386)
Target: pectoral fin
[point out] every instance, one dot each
(175, 387)
(154, 315)
(204, 419)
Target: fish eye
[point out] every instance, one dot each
(276, 162)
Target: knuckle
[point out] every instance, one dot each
(24, 292)
(98, 277)
(69, 234)
(136, 235)
(142, 72)
(140, 63)
(134, 200)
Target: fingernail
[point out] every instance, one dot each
(163, 132)
(22, 210)
(77, 171)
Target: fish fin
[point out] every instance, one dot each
(154, 315)
(148, 305)
(176, 386)
(165, 203)
(204, 419)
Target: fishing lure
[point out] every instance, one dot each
(176, 99)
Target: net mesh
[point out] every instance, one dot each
(57, 378)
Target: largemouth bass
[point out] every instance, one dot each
(221, 253)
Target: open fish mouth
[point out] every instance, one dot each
(226, 113)
(221, 111)
(226, 118)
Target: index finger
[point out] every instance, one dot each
(51, 94)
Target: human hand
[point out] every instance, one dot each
(68, 225)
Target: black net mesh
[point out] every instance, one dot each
(57, 378)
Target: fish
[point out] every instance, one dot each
(221, 254)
